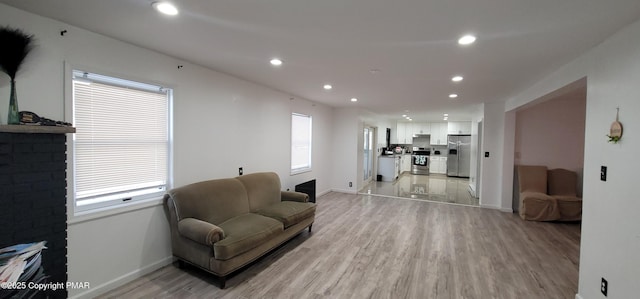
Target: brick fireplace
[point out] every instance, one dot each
(33, 194)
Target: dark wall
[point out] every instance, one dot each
(33, 198)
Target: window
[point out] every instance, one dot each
(300, 143)
(121, 145)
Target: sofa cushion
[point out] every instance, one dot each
(562, 182)
(532, 178)
(245, 232)
(263, 189)
(213, 201)
(289, 212)
(570, 207)
(538, 206)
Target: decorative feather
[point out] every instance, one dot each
(15, 45)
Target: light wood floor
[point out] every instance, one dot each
(374, 247)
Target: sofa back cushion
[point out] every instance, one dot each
(263, 189)
(532, 178)
(213, 201)
(562, 182)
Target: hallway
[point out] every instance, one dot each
(433, 187)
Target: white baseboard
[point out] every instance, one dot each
(124, 279)
(501, 209)
(322, 193)
(345, 191)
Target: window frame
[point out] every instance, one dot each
(309, 166)
(77, 213)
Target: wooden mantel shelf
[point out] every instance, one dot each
(36, 129)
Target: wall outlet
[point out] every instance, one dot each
(604, 286)
(240, 171)
(350, 184)
(603, 173)
(486, 154)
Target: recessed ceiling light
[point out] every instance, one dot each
(327, 87)
(446, 114)
(165, 8)
(354, 99)
(453, 96)
(467, 39)
(404, 115)
(457, 79)
(276, 62)
(446, 118)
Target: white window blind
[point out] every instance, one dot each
(121, 145)
(300, 143)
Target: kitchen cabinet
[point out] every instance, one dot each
(459, 128)
(404, 133)
(405, 163)
(406, 130)
(400, 133)
(389, 167)
(438, 134)
(421, 128)
(438, 164)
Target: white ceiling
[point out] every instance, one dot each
(411, 42)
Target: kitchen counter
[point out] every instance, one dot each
(389, 167)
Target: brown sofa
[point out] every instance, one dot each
(222, 225)
(548, 195)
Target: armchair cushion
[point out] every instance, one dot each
(245, 232)
(200, 231)
(289, 212)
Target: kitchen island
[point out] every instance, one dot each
(389, 166)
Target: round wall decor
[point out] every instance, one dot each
(615, 132)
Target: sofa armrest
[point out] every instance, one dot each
(294, 196)
(200, 231)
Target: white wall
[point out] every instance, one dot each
(346, 155)
(220, 123)
(493, 137)
(611, 226)
(610, 238)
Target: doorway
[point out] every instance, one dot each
(479, 161)
(368, 154)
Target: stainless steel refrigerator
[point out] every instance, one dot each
(459, 155)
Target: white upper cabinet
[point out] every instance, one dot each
(406, 130)
(438, 134)
(459, 128)
(399, 135)
(421, 128)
